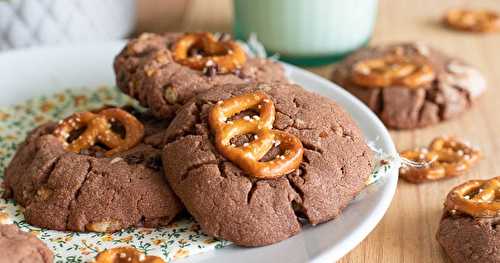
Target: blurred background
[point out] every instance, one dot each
(308, 33)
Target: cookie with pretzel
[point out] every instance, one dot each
(254, 162)
(94, 171)
(163, 71)
(410, 85)
(469, 229)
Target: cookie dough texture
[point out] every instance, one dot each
(466, 239)
(61, 190)
(229, 204)
(146, 71)
(454, 89)
(17, 246)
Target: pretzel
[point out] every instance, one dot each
(98, 129)
(391, 70)
(445, 157)
(478, 198)
(125, 255)
(226, 55)
(247, 157)
(473, 20)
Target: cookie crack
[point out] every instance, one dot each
(311, 147)
(187, 131)
(297, 204)
(185, 175)
(77, 193)
(46, 174)
(251, 192)
(220, 166)
(343, 134)
(296, 103)
(431, 99)
(296, 186)
(44, 179)
(142, 217)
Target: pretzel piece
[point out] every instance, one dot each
(98, 129)
(391, 70)
(226, 55)
(248, 156)
(445, 157)
(480, 21)
(125, 255)
(478, 198)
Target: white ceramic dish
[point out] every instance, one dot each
(32, 72)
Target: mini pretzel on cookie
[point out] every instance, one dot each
(98, 129)
(125, 255)
(248, 156)
(227, 56)
(480, 21)
(445, 157)
(391, 70)
(478, 198)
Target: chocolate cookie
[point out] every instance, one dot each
(145, 69)
(448, 87)
(17, 246)
(85, 191)
(467, 239)
(230, 204)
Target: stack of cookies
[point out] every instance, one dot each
(225, 136)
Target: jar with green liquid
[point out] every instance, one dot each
(307, 32)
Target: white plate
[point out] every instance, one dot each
(28, 73)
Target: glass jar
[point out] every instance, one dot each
(307, 32)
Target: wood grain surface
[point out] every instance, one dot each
(407, 231)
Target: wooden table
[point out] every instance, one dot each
(407, 232)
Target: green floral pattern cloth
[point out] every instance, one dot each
(180, 239)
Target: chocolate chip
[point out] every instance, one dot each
(154, 162)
